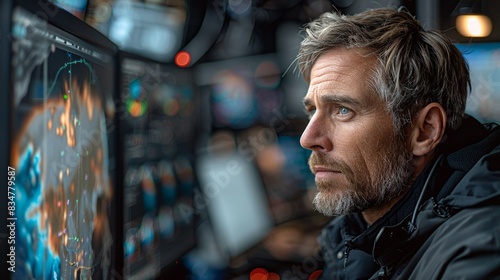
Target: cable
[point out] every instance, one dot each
(411, 225)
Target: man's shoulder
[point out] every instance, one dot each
(469, 223)
(466, 245)
(469, 232)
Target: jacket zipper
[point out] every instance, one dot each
(346, 255)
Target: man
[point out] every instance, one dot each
(414, 181)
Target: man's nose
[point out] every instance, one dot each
(315, 135)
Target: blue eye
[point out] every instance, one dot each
(344, 111)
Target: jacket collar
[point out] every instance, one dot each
(455, 148)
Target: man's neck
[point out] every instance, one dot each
(373, 214)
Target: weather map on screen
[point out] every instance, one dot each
(62, 128)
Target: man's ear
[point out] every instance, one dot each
(428, 129)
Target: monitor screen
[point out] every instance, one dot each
(233, 195)
(77, 7)
(243, 92)
(484, 65)
(283, 165)
(153, 29)
(236, 202)
(159, 118)
(289, 183)
(61, 146)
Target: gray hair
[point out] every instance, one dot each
(415, 67)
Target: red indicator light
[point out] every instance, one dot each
(259, 274)
(182, 59)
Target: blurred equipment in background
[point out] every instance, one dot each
(159, 133)
(234, 196)
(76, 7)
(484, 64)
(153, 29)
(245, 193)
(243, 91)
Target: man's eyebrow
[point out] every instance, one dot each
(335, 99)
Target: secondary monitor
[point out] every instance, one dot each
(484, 64)
(159, 118)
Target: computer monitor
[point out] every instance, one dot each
(235, 200)
(153, 29)
(159, 120)
(243, 92)
(484, 65)
(58, 80)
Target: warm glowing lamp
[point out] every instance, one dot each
(474, 25)
(471, 21)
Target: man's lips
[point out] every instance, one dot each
(325, 172)
(317, 169)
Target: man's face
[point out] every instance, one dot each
(359, 161)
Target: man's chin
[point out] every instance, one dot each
(331, 204)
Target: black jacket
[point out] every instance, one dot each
(446, 227)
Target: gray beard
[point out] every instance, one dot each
(393, 177)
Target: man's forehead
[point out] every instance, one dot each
(338, 62)
(341, 75)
